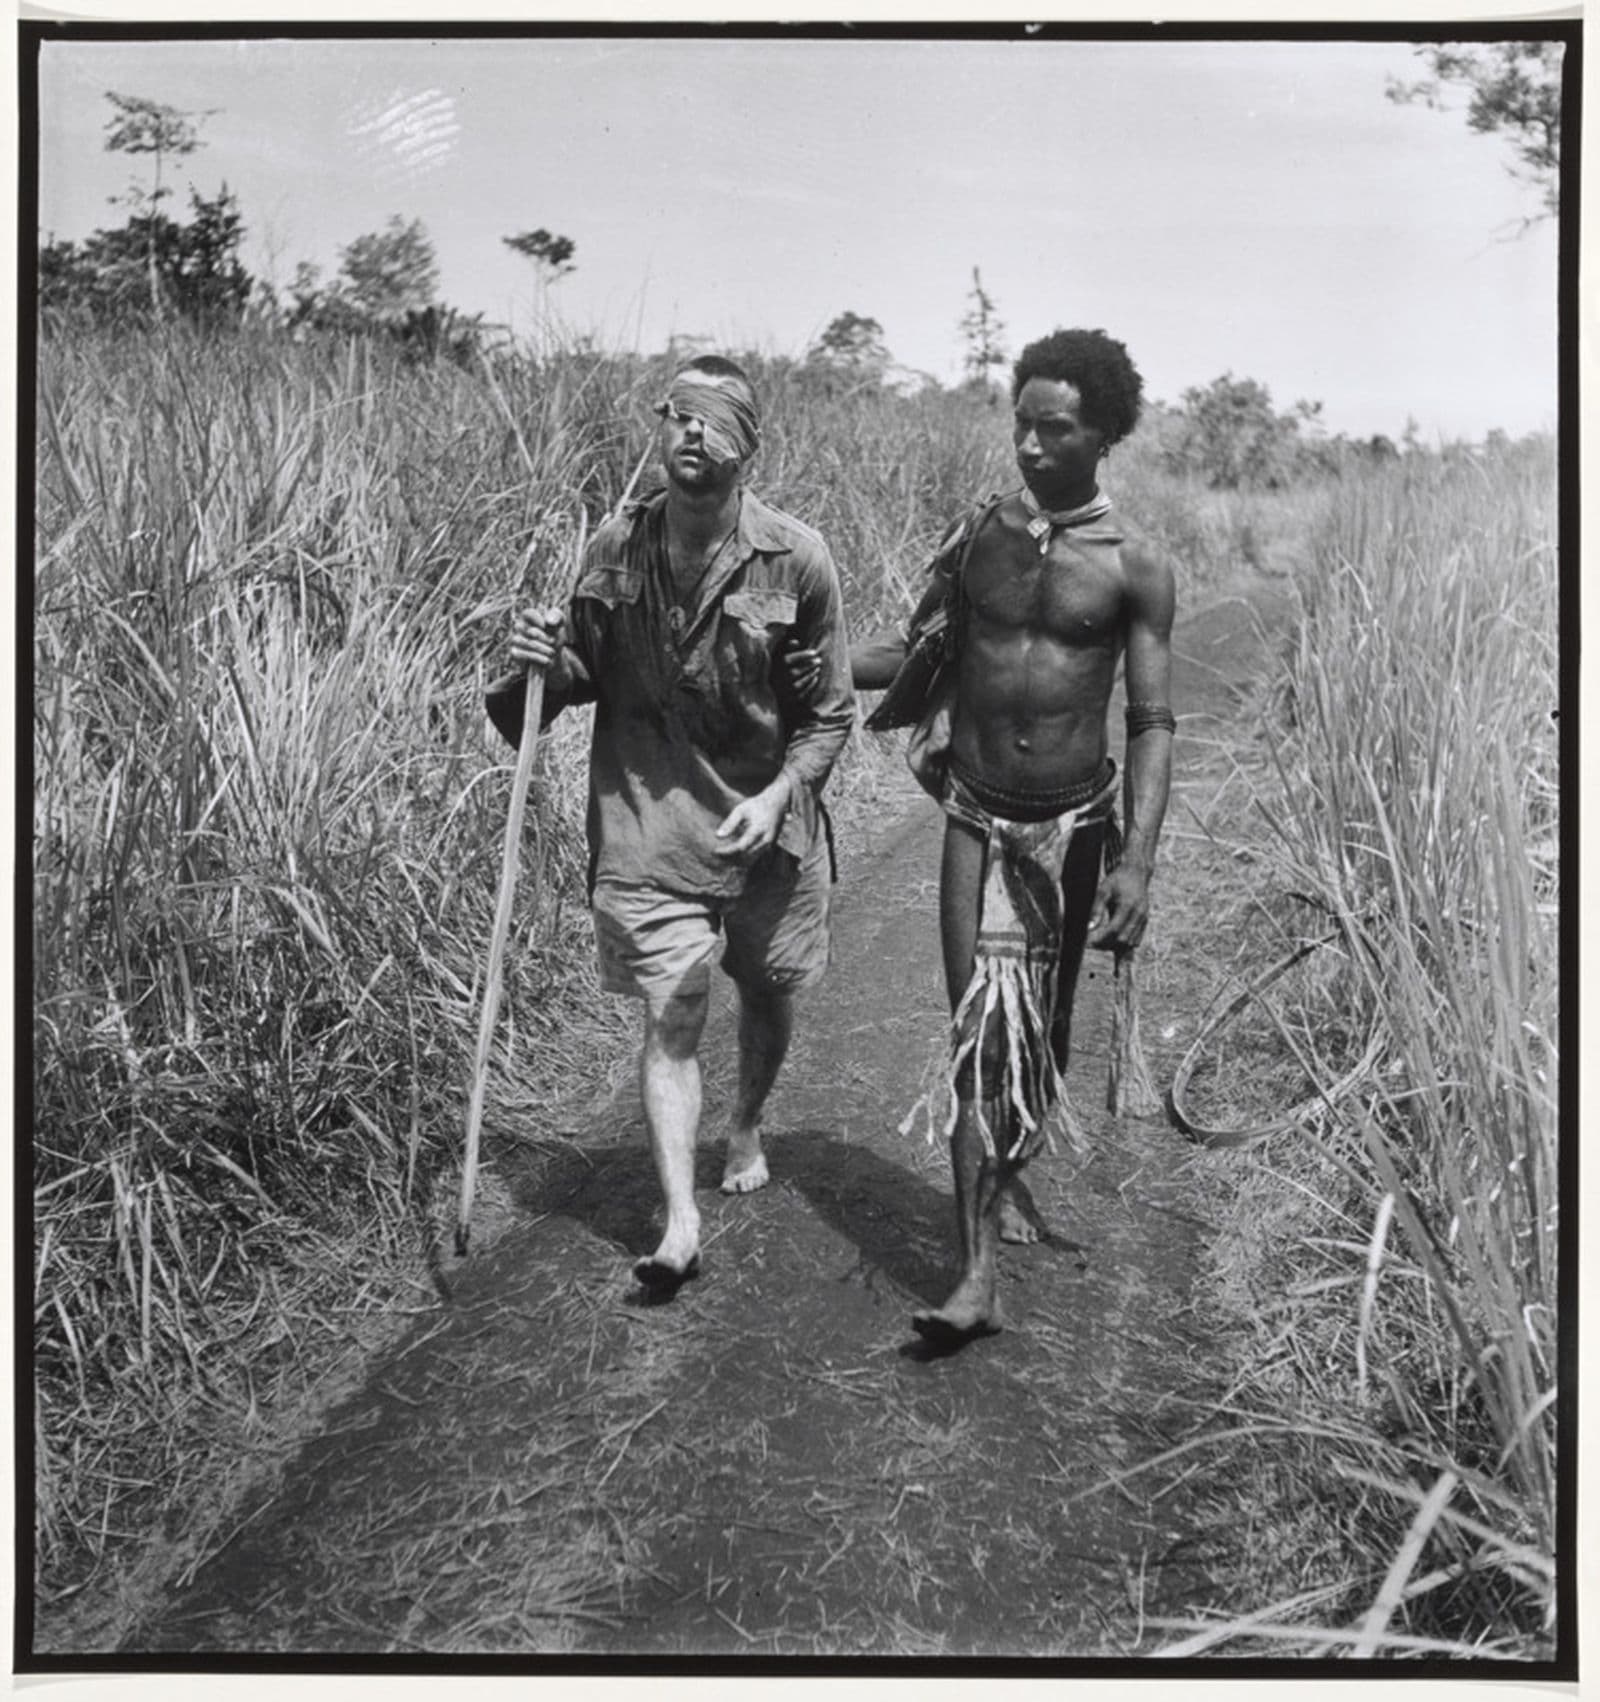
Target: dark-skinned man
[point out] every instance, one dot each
(1034, 600)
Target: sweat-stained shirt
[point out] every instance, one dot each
(693, 713)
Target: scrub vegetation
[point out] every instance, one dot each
(1394, 1256)
(272, 578)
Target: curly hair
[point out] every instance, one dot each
(1098, 368)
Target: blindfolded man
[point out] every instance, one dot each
(707, 832)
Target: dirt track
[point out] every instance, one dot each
(770, 1464)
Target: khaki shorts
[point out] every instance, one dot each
(773, 935)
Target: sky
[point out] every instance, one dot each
(1239, 206)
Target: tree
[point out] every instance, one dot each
(195, 266)
(207, 281)
(140, 126)
(1233, 436)
(852, 345)
(387, 274)
(552, 260)
(1514, 89)
(387, 286)
(983, 333)
(551, 254)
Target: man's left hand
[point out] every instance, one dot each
(1121, 910)
(753, 825)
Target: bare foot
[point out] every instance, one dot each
(660, 1277)
(746, 1167)
(1020, 1221)
(971, 1311)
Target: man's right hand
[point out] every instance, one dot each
(536, 635)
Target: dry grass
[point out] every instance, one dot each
(1390, 1267)
(267, 583)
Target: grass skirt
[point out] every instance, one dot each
(1013, 994)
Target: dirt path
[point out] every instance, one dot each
(770, 1464)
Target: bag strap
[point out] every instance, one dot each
(972, 525)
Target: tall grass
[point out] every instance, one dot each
(1415, 804)
(268, 581)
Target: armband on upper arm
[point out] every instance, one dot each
(1140, 717)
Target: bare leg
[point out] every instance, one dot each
(960, 892)
(669, 1082)
(766, 1021)
(1020, 1218)
(973, 1307)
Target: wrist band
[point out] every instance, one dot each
(1140, 717)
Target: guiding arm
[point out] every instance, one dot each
(874, 662)
(877, 658)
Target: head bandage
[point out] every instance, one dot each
(727, 412)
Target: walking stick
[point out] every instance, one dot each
(526, 749)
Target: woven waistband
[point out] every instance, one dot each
(1011, 805)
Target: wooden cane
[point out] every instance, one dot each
(510, 855)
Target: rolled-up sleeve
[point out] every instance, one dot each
(579, 653)
(822, 724)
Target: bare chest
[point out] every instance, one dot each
(1073, 594)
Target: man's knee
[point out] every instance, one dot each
(674, 1022)
(982, 1071)
(763, 1004)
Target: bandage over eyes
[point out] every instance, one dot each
(726, 413)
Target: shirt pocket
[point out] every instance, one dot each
(753, 629)
(765, 613)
